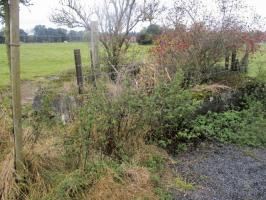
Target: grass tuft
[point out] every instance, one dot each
(183, 185)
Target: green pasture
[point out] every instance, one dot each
(40, 60)
(258, 62)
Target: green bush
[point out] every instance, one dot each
(246, 127)
(171, 110)
(145, 39)
(113, 126)
(117, 125)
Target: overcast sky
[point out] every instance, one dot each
(40, 11)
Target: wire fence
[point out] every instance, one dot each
(90, 76)
(131, 72)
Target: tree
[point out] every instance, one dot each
(75, 35)
(72, 14)
(23, 36)
(202, 38)
(148, 35)
(2, 37)
(40, 32)
(144, 38)
(116, 20)
(43, 34)
(154, 29)
(152, 9)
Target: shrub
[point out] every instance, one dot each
(171, 109)
(246, 127)
(148, 35)
(145, 39)
(113, 126)
(198, 50)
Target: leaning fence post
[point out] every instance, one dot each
(78, 70)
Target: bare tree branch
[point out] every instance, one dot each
(72, 15)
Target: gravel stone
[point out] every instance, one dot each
(223, 172)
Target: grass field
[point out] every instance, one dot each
(39, 60)
(258, 61)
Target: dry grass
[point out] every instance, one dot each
(136, 185)
(146, 151)
(135, 181)
(39, 158)
(5, 134)
(8, 187)
(150, 75)
(213, 88)
(114, 90)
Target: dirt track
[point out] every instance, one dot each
(223, 172)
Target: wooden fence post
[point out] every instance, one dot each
(16, 90)
(233, 61)
(78, 65)
(227, 60)
(94, 49)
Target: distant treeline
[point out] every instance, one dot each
(43, 34)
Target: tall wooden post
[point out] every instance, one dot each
(94, 49)
(15, 80)
(78, 70)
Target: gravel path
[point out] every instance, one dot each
(223, 172)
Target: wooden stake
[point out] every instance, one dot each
(15, 81)
(227, 60)
(233, 60)
(78, 70)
